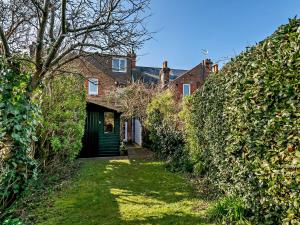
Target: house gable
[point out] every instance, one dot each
(194, 78)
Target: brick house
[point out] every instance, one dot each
(105, 73)
(181, 82)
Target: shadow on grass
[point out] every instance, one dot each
(126, 193)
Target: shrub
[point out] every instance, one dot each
(244, 131)
(166, 138)
(15, 221)
(64, 113)
(229, 210)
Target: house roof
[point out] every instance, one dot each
(199, 69)
(151, 74)
(105, 104)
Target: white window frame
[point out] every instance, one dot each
(120, 70)
(189, 85)
(93, 81)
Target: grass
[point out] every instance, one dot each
(123, 192)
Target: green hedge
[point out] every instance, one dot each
(64, 113)
(243, 127)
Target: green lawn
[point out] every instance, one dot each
(127, 193)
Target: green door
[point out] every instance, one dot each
(109, 133)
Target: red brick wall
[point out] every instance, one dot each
(195, 77)
(106, 81)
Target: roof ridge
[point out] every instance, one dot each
(161, 68)
(187, 71)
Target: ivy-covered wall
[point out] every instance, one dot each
(18, 119)
(243, 128)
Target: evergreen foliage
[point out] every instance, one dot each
(19, 117)
(64, 113)
(244, 128)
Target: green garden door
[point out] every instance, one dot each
(109, 133)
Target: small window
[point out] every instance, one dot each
(109, 122)
(186, 90)
(119, 65)
(93, 86)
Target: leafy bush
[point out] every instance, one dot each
(18, 120)
(15, 221)
(164, 133)
(229, 210)
(64, 113)
(244, 129)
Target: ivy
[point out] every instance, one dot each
(18, 119)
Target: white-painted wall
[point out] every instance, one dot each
(138, 132)
(126, 132)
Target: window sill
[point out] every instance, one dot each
(120, 71)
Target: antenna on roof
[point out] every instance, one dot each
(205, 52)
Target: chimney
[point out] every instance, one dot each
(207, 63)
(132, 57)
(164, 74)
(215, 68)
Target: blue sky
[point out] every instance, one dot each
(223, 27)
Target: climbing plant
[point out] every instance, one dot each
(19, 117)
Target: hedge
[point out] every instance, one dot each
(64, 114)
(243, 127)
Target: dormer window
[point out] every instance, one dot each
(119, 65)
(93, 86)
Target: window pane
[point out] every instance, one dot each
(115, 64)
(93, 86)
(186, 90)
(109, 122)
(122, 65)
(119, 65)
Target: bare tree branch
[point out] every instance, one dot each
(40, 36)
(59, 30)
(4, 43)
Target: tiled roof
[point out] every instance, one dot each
(151, 74)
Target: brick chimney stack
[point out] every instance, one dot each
(164, 74)
(215, 68)
(132, 57)
(207, 63)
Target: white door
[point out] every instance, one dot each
(137, 132)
